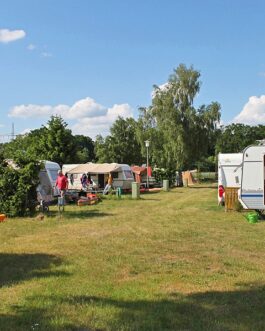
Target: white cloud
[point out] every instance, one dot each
(25, 131)
(31, 47)
(86, 108)
(7, 36)
(253, 112)
(123, 110)
(163, 87)
(26, 111)
(90, 117)
(93, 126)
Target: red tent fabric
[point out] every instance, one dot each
(149, 171)
(138, 172)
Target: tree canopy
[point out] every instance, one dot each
(180, 134)
(235, 137)
(121, 145)
(54, 142)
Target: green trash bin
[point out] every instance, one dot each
(118, 192)
(252, 217)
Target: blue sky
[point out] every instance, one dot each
(91, 61)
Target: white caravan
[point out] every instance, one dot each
(46, 190)
(121, 173)
(229, 171)
(251, 194)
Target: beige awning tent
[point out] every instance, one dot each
(94, 168)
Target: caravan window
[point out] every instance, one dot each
(53, 173)
(115, 175)
(128, 174)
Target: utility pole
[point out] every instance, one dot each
(13, 132)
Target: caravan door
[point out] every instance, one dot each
(101, 180)
(252, 183)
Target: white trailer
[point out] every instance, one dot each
(46, 190)
(121, 173)
(251, 193)
(229, 171)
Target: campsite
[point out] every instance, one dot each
(132, 165)
(169, 261)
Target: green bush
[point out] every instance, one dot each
(18, 185)
(161, 173)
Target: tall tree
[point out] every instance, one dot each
(84, 149)
(57, 143)
(180, 132)
(53, 142)
(121, 145)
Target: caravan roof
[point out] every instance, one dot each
(230, 159)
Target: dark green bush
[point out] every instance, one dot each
(18, 185)
(160, 174)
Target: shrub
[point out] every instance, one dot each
(18, 185)
(160, 174)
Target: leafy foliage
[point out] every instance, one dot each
(18, 187)
(235, 137)
(53, 142)
(179, 134)
(121, 145)
(160, 174)
(57, 142)
(84, 149)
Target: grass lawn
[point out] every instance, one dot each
(169, 261)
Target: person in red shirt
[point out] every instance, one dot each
(61, 183)
(221, 195)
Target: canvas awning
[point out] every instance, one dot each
(94, 168)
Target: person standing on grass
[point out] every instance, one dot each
(61, 183)
(109, 184)
(83, 180)
(89, 180)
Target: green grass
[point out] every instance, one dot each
(169, 261)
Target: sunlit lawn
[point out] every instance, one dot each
(169, 261)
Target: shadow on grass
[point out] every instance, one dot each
(83, 214)
(219, 311)
(148, 199)
(15, 268)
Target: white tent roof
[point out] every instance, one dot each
(94, 168)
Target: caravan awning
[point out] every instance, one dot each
(94, 168)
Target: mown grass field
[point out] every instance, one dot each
(170, 261)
